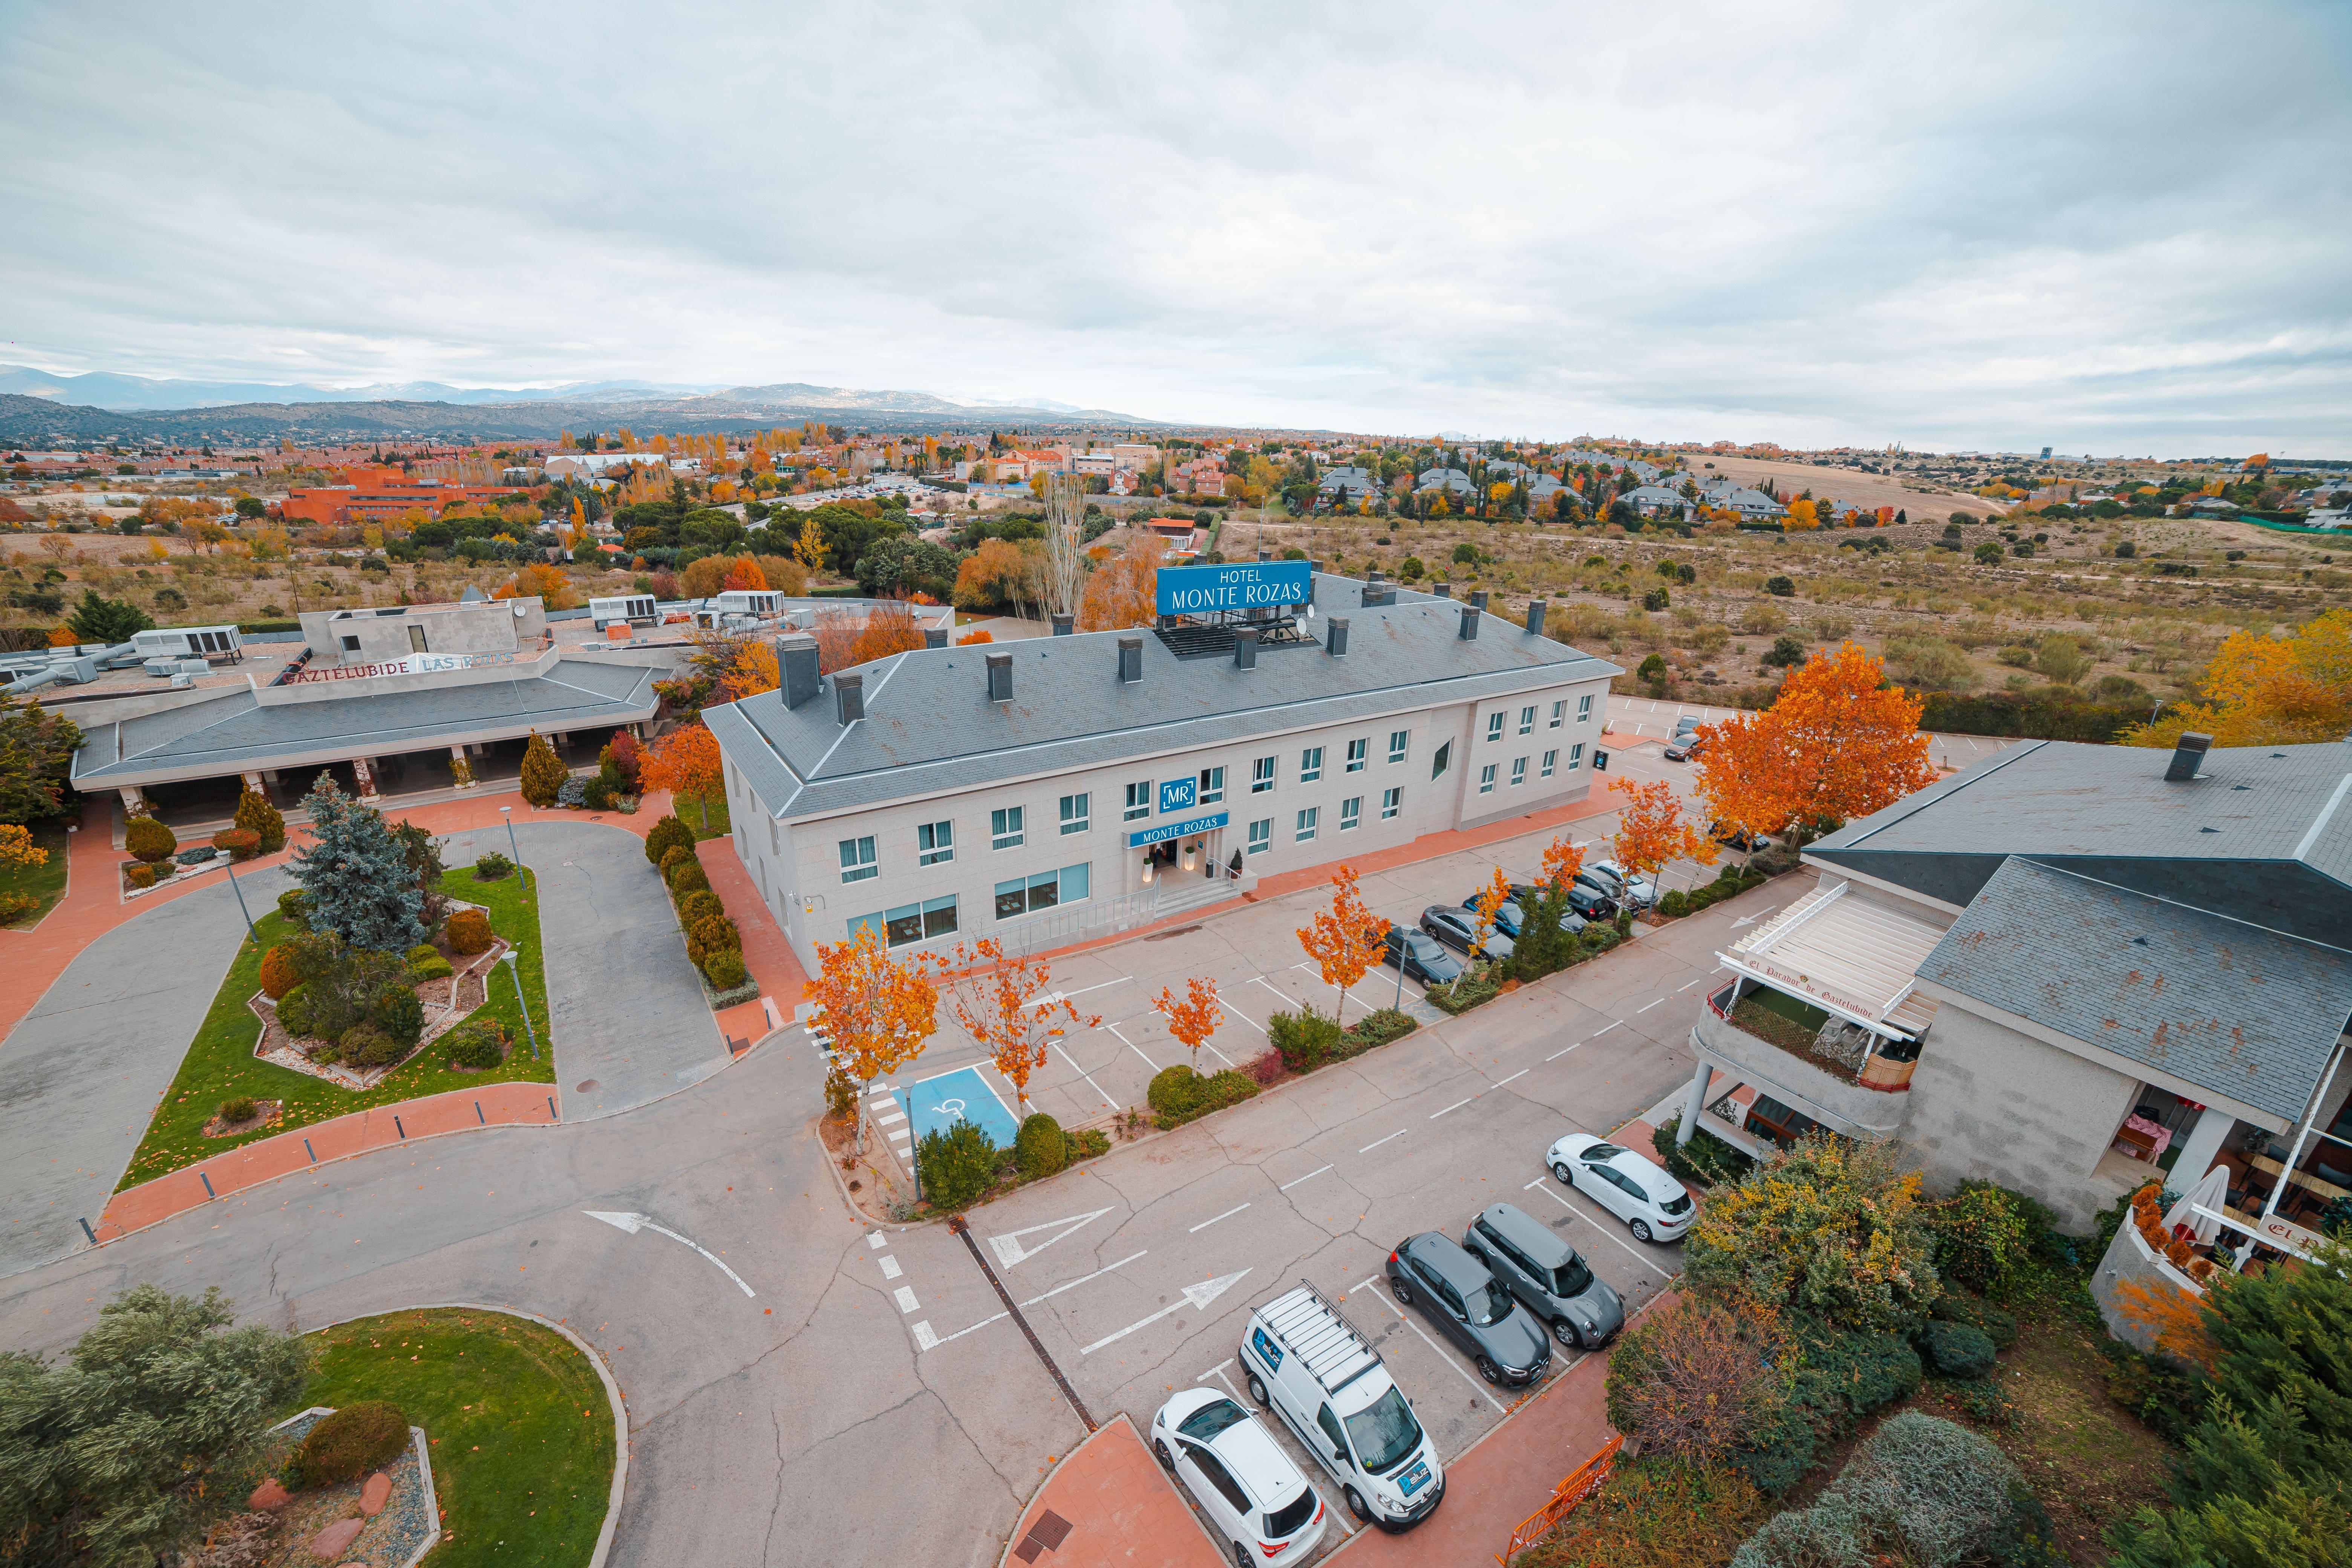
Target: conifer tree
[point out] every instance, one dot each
(265, 821)
(358, 874)
(542, 772)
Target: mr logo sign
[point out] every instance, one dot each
(1176, 794)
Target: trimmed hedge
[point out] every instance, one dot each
(356, 1438)
(138, 874)
(956, 1165)
(468, 931)
(1959, 1350)
(281, 971)
(294, 906)
(1041, 1147)
(1178, 1094)
(670, 833)
(366, 1045)
(239, 844)
(1304, 1040)
(725, 969)
(688, 876)
(149, 839)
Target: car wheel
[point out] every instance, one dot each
(1567, 1177)
(1489, 1370)
(1356, 1506)
(1241, 1555)
(1167, 1460)
(1402, 1291)
(1257, 1390)
(1641, 1228)
(1565, 1331)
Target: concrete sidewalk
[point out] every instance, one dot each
(1110, 1503)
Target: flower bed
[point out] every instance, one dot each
(447, 1002)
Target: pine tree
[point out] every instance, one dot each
(358, 874)
(258, 816)
(543, 773)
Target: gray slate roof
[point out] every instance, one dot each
(234, 732)
(929, 724)
(2246, 1013)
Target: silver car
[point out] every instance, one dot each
(1547, 1276)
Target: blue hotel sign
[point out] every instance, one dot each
(1168, 830)
(1244, 585)
(1176, 795)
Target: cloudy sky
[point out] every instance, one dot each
(2107, 227)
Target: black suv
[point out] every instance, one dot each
(1470, 1307)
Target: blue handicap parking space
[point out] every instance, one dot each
(936, 1104)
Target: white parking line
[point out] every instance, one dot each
(1104, 986)
(1390, 1138)
(876, 1241)
(1236, 1012)
(1456, 1106)
(1469, 1377)
(959, 1333)
(1546, 1184)
(1639, 1011)
(1561, 1052)
(1207, 1223)
(1131, 1045)
(1598, 1033)
(1218, 1372)
(1687, 984)
(1521, 1073)
(1295, 1181)
(925, 1339)
(1083, 1073)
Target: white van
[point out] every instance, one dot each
(1307, 1362)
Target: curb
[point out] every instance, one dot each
(1004, 1558)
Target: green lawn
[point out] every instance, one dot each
(47, 882)
(690, 809)
(517, 1422)
(220, 1062)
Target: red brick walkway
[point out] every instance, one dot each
(1110, 1503)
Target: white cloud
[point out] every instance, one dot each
(2106, 225)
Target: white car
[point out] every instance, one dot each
(1252, 1494)
(1653, 1205)
(1630, 891)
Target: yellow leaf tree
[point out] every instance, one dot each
(1490, 902)
(17, 849)
(2268, 691)
(876, 1011)
(1192, 1017)
(1345, 939)
(1000, 1001)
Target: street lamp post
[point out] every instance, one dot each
(240, 903)
(514, 971)
(506, 815)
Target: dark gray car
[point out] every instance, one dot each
(1470, 1307)
(1546, 1273)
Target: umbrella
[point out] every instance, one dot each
(2212, 1191)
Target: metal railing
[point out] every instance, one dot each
(1078, 922)
(1581, 1483)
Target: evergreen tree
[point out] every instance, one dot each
(357, 872)
(106, 620)
(123, 1454)
(258, 816)
(35, 749)
(542, 773)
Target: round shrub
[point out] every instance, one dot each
(365, 1045)
(1175, 1091)
(670, 833)
(1674, 903)
(263, 820)
(353, 1440)
(725, 968)
(957, 1163)
(232, 1111)
(1303, 1039)
(15, 906)
(149, 839)
(718, 933)
(1041, 1147)
(294, 1012)
(469, 930)
(434, 968)
(1959, 1307)
(695, 908)
(397, 1011)
(237, 843)
(675, 856)
(473, 1045)
(138, 874)
(294, 906)
(281, 971)
(689, 877)
(597, 794)
(492, 869)
(1959, 1350)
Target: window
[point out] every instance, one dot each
(1584, 709)
(1359, 752)
(1486, 779)
(1392, 802)
(1494, 726)
(1308, 818)
(1559, 713)
(1139, 801)
(416, 639)
(1262, 776)
(858, 860)
(934, 842)
(1004, 827)
(1551, 761)
(1074, 814)
(1443, 760)
(351, 643)
(910, 923)
(1310, 765)
(1576, 756)
(1519, 772)
(1029, 895)
(1398, 740)
(1212, 785)
(1261, 836)
(1216, 1476)
(1528, 721)
(1351, 812)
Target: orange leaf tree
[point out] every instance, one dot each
(1490, 902)
(1651, 832)
(745, 575)
(891, 628)
(1122, 592)
(1744, 774)
(686, 762)
(1345, 940)
(1855, 745)
(999, 1001)
(1562, 862)
(878, 1012)
(1191, 1018)
(752, 671)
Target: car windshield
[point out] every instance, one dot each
(1212, 1418)
(1489, 1305)
(1506, 920)
(1572, 1278)
(1289, 1518)
(1384, 1432)
(1602, 1153)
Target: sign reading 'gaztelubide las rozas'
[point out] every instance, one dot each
(1244, 585)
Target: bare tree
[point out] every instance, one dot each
(1065, 560)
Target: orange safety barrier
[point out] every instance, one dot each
(1582, 1483)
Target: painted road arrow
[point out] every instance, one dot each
(1011, 1249)
(633, 1223)
(1198, 1296)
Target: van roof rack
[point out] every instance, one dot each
(1312, 1328)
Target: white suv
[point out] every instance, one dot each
(1243, 1482)
(1653, 1205)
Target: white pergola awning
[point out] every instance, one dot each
(1854, 955)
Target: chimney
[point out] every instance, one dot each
(1264, 553)
(796, 663)
(1063, 625)
(1000, 677)
(849, 698)
(1443, 590)
(935, 636)
(1535, 617)
(2186, 756)
(1335, 637)
(1246, 648)
(1478, 597)
(1469, 623)
(1372, 578)
(1378, 593)
(1131, 660)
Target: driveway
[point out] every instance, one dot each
(80, 1075)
